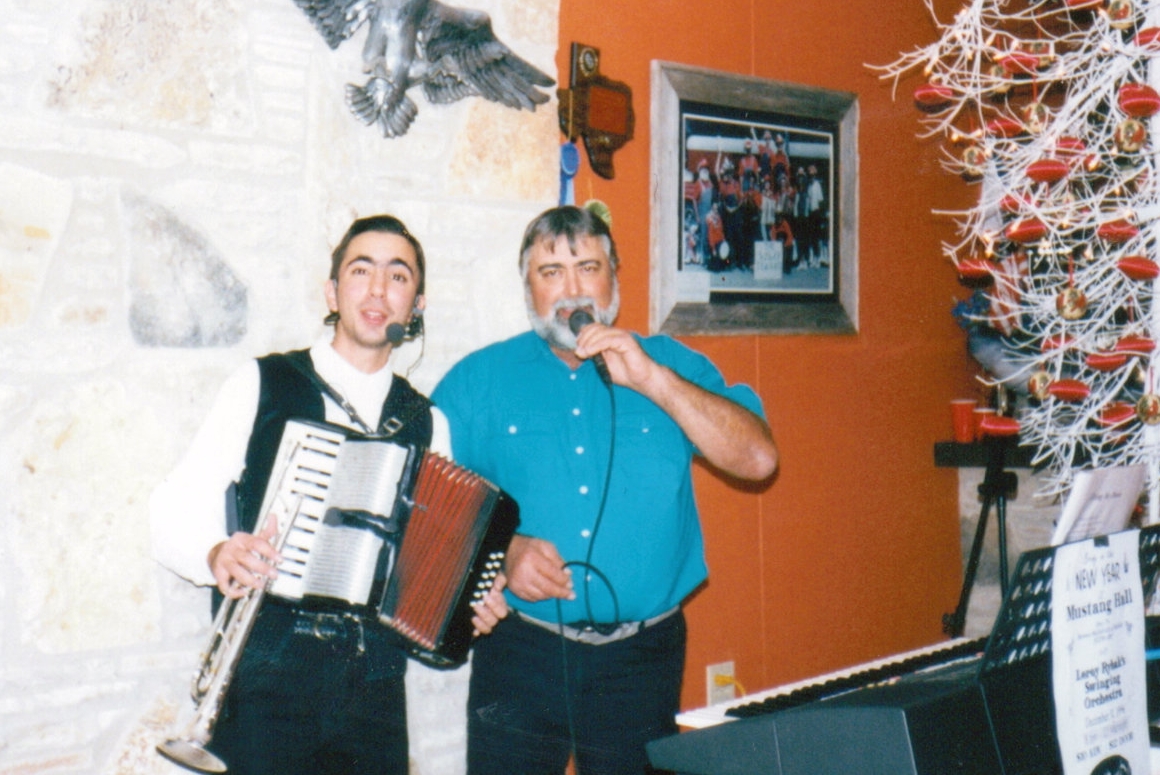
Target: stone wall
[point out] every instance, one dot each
(173, 175)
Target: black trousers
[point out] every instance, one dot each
(315, 694)
(536, 698)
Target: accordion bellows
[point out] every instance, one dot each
(391, 531)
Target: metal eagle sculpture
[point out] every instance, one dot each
(451, 52)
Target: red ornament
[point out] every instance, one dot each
(1134, 344)
(1070, 390)
(1056, 342)
(1013, 204)
(1119, 230)
(1020, 63)
(1026, 230)
(1105, 361)
(1072, 150)
(975, 269)
(933, 95)
(1005, 127)
(1138, 268)
(1047, 170)
(1081, 5)
(1149, 38)
(998, 425)
(1115, 414)
(1139, 100)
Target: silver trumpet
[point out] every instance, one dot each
(231, 629)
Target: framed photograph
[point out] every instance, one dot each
(757, 206)
(754, 205)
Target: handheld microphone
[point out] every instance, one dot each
(577, 320)
(395, 334)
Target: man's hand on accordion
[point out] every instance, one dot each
(245, 561)
(491, 609)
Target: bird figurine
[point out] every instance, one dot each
(452, 52)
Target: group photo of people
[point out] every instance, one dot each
(757, 206)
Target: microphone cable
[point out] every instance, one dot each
(590, 569)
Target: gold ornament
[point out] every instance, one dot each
(1072, 304)
(1130, 135)
(999, 77)
(1037, 385)
(974, 159)
(1121, 14)
(1148, 409)
(1043, 49)
(1035, 117)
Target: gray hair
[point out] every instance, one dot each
(567, 221)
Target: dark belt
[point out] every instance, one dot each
(323, 625)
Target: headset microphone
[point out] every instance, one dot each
(395, 334)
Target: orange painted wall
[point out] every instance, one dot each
(852, 553)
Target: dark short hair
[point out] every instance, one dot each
(566, 221)
(386, 224)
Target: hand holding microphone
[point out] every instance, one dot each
(579, 318)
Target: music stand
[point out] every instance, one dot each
(1016, 670)
(998, 485)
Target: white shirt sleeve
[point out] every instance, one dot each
(440, 433)
(187, 511)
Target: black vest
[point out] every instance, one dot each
(289, 391)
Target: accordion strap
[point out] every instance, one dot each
(387, 428)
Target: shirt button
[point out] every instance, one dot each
(576, 412)
(583, 489)
(579, 450)
(585, 533)
(512, 429)
(572, 376)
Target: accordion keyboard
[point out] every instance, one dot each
(306, 459)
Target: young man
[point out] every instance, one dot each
(610, 541)
(314, 692)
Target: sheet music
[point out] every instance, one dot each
(1101, 502)
(1098, 678)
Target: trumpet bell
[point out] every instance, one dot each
(191, 755)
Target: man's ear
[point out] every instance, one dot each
(330, 290)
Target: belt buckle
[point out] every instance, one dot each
(318, 619)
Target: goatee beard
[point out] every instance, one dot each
(553, 328)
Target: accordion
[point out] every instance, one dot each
(389, 531)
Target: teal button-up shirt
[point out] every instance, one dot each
(523, 419)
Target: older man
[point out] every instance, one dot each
(593, 434)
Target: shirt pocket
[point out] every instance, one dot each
(522, 445)
(651, 446)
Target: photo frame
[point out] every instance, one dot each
(739, 243)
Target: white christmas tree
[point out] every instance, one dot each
(1049, 109)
